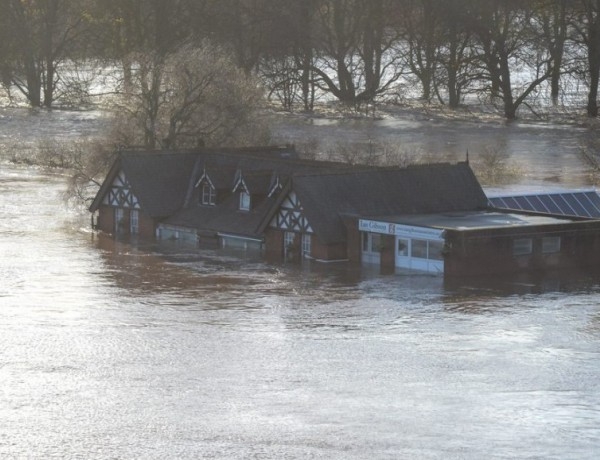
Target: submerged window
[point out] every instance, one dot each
(402, 247)
(436, 249)
(244, 201)
(365, 242)
(550, 244)
(306, 240)
(522, 246)
(375, 242)
(371, 242)
(119, 220)
(419, 249)
(208, 195)
(134, 222)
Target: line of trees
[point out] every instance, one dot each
(355, 51)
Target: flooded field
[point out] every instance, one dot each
(118, 350)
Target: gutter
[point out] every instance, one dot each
(238, 237)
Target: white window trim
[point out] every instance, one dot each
(208, 194)
(134, 222)
(244, 201)
(306, 245)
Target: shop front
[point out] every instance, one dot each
(415, 248)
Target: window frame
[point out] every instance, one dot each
(134, 222)
(245, 201)
(551, 244)
(208, 195)
(522, 247)
(306, 245)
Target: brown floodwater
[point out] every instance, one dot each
(112, 349)
(127, 349)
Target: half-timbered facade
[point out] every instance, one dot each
(432, 218)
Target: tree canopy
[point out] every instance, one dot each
(355, 51)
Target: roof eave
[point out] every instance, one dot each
(114, 170)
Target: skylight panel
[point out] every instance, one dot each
(576, 205)
(511, 203)
(564, 206)
(523, 203)
(594, 199)
(550, 204)
(537, 204)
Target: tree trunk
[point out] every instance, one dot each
(557, 49)
(510, 109)
(48, 52)
(594, 61)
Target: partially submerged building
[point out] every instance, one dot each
(433, 218)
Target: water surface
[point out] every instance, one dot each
(117, 350)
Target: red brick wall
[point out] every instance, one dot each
(147, 226)
(336, 251)
(106, 222)
(487, 252)
(353, 245)
(388, 254)
(106, 219)
(273, 245)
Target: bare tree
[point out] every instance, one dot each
(509, 38)
(587, 26)
(357, 60)
(553, 16)
(421, 25)
(43, 34)
(195, 96)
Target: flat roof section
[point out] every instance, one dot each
(472, 220)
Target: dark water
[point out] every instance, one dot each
(112, 350)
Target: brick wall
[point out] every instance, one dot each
(484, 252)
(273, 245)
(353, 241)
(106, 219)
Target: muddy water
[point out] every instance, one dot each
(543, 154)
(116, 350)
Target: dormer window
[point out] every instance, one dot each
(209, 195)
(244, 201)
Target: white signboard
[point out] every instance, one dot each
(409, 231)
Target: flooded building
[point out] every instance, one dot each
(433, 218)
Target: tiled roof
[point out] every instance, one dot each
(159, 180)
(419, 189)
(164, 184)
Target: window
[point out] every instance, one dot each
(244, 201)
(288, 239)
(550, 244)
(306, 240)
(375, 242)
(371, 242)
(419, 249)
(522, 246)
(435, 251)
(403, 247)
(134, 225)
(208, 195)
(119, 220)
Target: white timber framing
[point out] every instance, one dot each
(120, 195)
(290, 216)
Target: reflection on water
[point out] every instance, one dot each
(118, 350)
